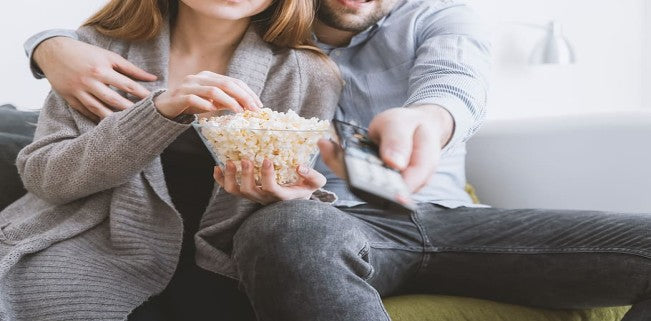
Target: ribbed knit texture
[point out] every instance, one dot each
(97, 233)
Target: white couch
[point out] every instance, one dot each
(600, 162)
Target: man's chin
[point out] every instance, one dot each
(348, 21)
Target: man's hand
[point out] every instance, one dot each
(410, 141)
(82, 73)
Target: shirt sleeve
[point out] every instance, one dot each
(452, 67)
(35, 40)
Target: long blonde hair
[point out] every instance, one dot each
(286, 23)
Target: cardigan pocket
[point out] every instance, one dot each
(3, 237)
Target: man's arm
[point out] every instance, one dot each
(447, 96)
(448, 86)
(82, 73)
(35, 40)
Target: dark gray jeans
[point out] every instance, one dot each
(304, 260)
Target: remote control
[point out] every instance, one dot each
(368, 177)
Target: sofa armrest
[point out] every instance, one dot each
(600, 162)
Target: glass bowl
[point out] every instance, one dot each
(286, 149)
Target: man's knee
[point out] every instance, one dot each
(291, 232)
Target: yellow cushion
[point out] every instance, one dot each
(473, 194)
(446, 308)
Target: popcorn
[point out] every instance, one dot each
(286, 139)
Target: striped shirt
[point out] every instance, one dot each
(423, 52)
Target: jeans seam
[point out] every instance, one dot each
(545, 250)
(393, 246)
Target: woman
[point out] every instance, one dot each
(107, 223)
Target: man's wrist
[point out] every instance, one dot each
(43, 50)
(441, 118)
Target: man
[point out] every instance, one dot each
(416, 73)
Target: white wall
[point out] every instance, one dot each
(609, 38)
(18, 21)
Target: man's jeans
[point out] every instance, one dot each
(304, 260)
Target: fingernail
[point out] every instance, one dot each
(245, 165)
(398, 158)
(266, 163)
(303, 169)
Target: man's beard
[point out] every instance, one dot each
(334, 18)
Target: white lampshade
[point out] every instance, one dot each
(554, 49)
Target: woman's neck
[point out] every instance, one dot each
(198, 35)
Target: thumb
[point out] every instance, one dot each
(125, 67)
(395, 140)
(311, 177)
(332, 156)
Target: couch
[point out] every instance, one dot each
(543, 163)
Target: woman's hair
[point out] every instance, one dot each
(286, 23)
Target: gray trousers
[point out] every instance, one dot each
(304, 260)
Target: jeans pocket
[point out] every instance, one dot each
(365, 255)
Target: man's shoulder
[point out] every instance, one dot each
(430, 6)
(429, 11)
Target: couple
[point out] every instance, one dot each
(110, 230)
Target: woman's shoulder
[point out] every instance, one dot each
(90, 35)
(317, 66)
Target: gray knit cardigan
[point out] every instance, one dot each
(97, 234)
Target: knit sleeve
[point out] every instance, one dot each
(64, 164)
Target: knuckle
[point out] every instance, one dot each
(190, 79)
(96, 71)
(189, 99)
(214, 92)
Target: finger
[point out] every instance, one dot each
(127, 68)
(395, 139)
(75, 104)
(310, 177)
(218, 175)
(247, 183)
(93, 105)
(268, 179)
(424, 159)
(125, 84)
(248, 89)
(109, 97)
(241, 97)
(193, 104)
(218, 97)
(332, 156)
(230, 181)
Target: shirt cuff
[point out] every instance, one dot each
(35, 40)
(460, 115)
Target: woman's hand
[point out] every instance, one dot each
(270, 192)
(206, 92)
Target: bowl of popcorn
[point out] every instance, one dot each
(286, 139)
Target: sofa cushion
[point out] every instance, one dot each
(16, 131)
(445, 308)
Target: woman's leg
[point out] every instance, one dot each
(153, 309)
(195, 294)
